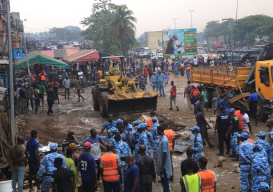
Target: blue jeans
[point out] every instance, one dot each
(161, 89)
(111, 186)
(37, 104)
(165, 182)
(18, 173)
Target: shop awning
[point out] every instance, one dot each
(80, 56)
(36, 57)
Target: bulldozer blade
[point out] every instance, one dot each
(137, 105)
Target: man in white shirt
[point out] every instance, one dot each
(66, 84)
(80, 74)
(246, 127)
(195, 62)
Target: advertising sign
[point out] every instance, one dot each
(18, 54)
(179, 42)
(155, 40)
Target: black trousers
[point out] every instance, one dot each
(146, 183)
(221, 137)
(50, 105)
(205, 137)
(253, 110)
(99, 169)
(88, 186)
(31, 103)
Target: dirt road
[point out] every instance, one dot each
(70, 115)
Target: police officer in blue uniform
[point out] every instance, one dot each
(47, 165)
(154, 82)
(197, 143)
(160, 83)
(245, 154)
(222, 126)
(233, 131)
(112, 141)
(108, 125)
(260, 169)
(155, 136)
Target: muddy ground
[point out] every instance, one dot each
(70, 115)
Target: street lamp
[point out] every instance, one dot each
(191, 16)
(175, 22)
(235, 25)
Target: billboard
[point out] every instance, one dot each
(155, 40)
(179, 42)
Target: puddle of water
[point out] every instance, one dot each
(70, 108)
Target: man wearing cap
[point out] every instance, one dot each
(160, 83)
(108, 125)
(110, 170)
(197, 143)
(122, 150)
(245, 156)
(154, 82)
(233, 131)
(260, 169)
(253, 101)
(142, 139)
(87, 167)
(263, 187)
(119, 122)
(222, 126)
(47, 165)
(112, 141)
(261, 140)
(208, 177)
(155, 136)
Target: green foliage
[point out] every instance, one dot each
(217, 28)
(101, 31)
(249, 27)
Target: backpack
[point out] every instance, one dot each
(189, 90)
(195, 92)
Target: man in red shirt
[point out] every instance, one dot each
(173, 96)
(146, 71)
(32, 77)
(150, 71)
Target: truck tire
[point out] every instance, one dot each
(95, 99)
(261, 116)
(103, 104)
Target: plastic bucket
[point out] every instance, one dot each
(6, 186)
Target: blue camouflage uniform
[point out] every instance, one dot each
(155, 138)
(118, 122)
(245, 156)
(259, 168)
(108, 126)
(154, 82)
(47, 165)
(112, 140)
(122, 150)
(270, 135)
(264, 143)
(234, 120)
(197, 144)
(160, 84)
(150, 142)
(142, 140)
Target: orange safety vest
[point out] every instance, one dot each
(110, 167)
(43, 78)
(149, 123)
(170, 135)
(207, 180)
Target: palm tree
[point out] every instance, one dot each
(123, 27)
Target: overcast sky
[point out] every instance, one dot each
(152, 15)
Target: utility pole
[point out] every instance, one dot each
(26, 49)
(174, 23)
(191, 17)
(11, 94)
(235, 25)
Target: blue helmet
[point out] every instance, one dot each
(244, 135)
(195, 128)
(261, 134)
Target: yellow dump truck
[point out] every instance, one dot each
(116, 94)
(224, 80)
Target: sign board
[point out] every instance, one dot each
(179, 42)
(18, 54)
(155, 39)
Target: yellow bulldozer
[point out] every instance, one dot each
(115, 93)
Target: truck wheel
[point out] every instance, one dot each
(95, 99)
(260, 113)
(103, 104)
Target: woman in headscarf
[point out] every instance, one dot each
(188, 72)
(75, 158)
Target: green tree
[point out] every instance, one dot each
(249, 27)
(122, 27)
(98, 27)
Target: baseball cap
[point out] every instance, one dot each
(137, 122)
(231, 110)
(261, 134)
(53, 146)
(87, 145)
(195, 128)
(244, 135)
(263, 186)
(119, 121)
